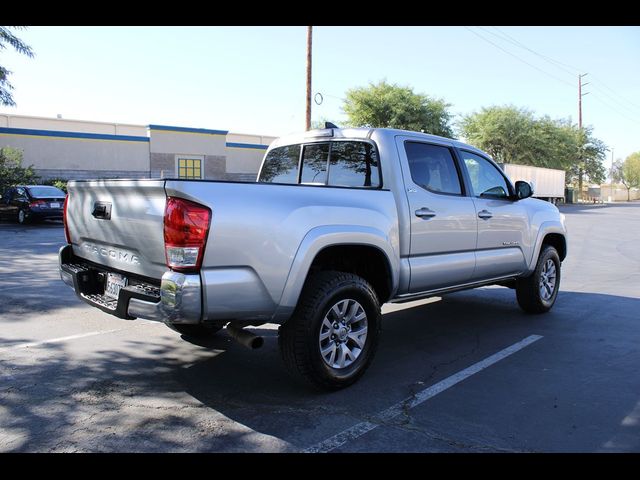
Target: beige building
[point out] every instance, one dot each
(78, 149)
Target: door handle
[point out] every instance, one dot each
(485, 214)
(425, 213)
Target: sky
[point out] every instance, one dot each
(252, 79)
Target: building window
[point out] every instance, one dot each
(189, 167)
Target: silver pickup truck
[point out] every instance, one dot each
(339, 222)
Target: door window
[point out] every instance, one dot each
(486, 179)
(433, 168)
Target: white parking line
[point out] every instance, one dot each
(386, 415)
(60, 339)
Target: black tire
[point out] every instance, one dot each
(528, 288)
(21, 217)
(299, 337)
(196, 331)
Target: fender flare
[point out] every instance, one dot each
(545, 229)
(319, 238)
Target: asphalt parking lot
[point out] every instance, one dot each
(468, 372)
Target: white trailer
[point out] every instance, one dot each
(548, 183)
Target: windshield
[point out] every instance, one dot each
(45, 191)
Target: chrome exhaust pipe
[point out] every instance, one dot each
(244, 337)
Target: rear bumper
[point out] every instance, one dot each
(178, 299)
(44, 214)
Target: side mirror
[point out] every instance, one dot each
(523, 189)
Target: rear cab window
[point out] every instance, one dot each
(339, 163)
(281, 165)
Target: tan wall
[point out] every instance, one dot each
(244, 160)
(83, 154)
(65, 125)
(248, 138)
(157, 155)
(187, 143)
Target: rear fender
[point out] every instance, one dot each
(320, 238)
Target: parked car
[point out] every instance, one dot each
(26, 203)
(338, 222)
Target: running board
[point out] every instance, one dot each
(410, 297)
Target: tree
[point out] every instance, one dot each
(628, 172)
(590, 152)
(515, 135)
(391, 106)
(5, 87)
(506, 133)
(11, 170)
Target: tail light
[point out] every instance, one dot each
(64, 219)
(37, 203)
(186, 226)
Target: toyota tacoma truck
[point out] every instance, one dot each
(339, 222)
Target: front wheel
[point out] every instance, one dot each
(332, 336)
(538, 292)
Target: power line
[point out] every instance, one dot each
(629, 109)
(616, 110)
(520, 59)
(505, 36)
(614, 92)
(559, 65)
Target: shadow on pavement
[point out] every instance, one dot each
(116, 401)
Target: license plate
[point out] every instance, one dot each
(55, 204)
(114, 283)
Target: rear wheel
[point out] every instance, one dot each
(196, 331)
(22, 217)
(538, 292)
(332, 336)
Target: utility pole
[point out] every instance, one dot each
(580, 95)
(308, 111)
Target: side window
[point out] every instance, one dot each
(433, 168)
(281, 165)
(353, 164)
(486, 180)
(314, 164)
(19, 193)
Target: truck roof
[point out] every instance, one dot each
(329, 133)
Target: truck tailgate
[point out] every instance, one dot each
(119, 224)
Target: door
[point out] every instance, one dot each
(443, 218)
(13, 199)
(502, 221)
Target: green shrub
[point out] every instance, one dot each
(11, 170)
(60, 183)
